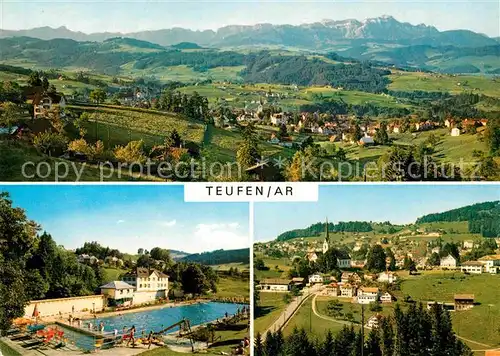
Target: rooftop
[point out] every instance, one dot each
(464, 297)
(117, 285)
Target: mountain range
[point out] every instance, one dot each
(327, 34)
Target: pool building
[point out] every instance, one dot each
(143, 285)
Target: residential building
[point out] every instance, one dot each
(448, 262)
(279, 119)
(455, 131)
(387, 298)
(491, 263)
(367, 295)
(299, 282)
(315, 278)
(468, 245)
(120, 292)
(374, 321)
(474, 267)
(332, 290)
(43, 102)
(387, 277)
(275, 285)
(464, 301)
(150, 284)
(347, 290)
(344, 262)
(350, 277)
(366, 141)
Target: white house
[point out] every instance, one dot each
(315, 278)
(468, 245)
(387, 298)
(474, 267)
(279, 119)
(367, 295)
(48, 101)
(455, 131)
(120, 291)
(149, 284)
(344, 262)
(448, 262)
(491, 263)
(347, 290)
(374, 321)
(275, 285)
(366, 140)
(387, 277)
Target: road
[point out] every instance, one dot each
(291, 309)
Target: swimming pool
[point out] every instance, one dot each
(158, 319)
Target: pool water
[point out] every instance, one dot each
(81, 341)
(158, 319)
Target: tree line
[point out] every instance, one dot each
(318, 228)
(219, 257)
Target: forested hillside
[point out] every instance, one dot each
(300, 70)
(318, 228)
(220, 257)
(466, 213)
(483, 218)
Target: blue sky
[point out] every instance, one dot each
(133, 216)
(396, 203)
(136, 15)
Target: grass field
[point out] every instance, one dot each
(227, 266)
(271, 306)
(232, 287)
(183, 73)
(306, 319)
(113, 274)
(441, 286)
(14, 155)
(352, 97)
(432, 82)
(150, 122)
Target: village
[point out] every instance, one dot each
(335, 278)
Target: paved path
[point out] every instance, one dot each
(290, 311)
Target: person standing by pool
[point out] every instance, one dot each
(150, 339)
(132, 333)
(101, 326)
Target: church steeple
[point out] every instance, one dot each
(327, 232)
(326, 243)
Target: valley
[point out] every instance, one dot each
(228, 106)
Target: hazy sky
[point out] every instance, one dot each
(136, 15)
(397, 204)
(132, 216)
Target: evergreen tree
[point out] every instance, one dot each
(387, 337)
(298, 344)
(259, 347)
(401, 332)
(327, 347)
(373, 344)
